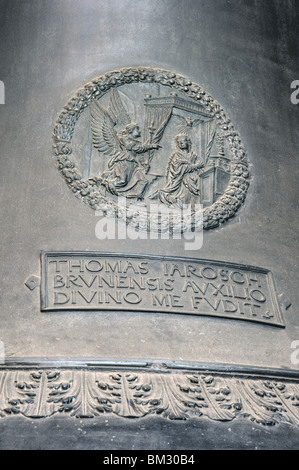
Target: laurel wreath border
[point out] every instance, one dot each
(219, 212)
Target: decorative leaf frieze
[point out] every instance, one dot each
(88, 393)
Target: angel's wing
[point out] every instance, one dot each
(104, 136)
(117, 110)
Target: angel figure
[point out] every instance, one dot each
(127, 169)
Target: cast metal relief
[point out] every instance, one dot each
(151, 136)
(87, 393)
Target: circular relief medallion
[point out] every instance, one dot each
(138, 142)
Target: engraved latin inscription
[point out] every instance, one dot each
(98, 281)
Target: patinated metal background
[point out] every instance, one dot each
(244, 54)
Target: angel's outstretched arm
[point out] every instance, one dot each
(145, 148)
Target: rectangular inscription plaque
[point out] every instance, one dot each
(110, 281)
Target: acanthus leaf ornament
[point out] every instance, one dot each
(86, 393)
